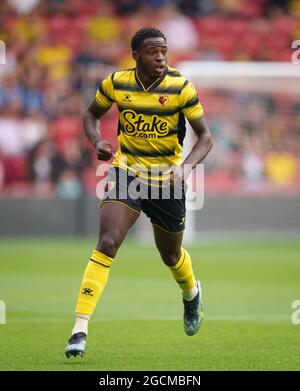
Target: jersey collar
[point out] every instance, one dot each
(152, 86)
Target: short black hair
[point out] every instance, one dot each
(146, 32)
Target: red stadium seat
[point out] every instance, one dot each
(64, 129)
(15, 168)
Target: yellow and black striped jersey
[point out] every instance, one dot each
(151, 125)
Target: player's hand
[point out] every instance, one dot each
(179, 175)
(104, 150)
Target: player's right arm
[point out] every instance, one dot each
(91, 124)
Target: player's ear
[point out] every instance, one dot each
(136, 56)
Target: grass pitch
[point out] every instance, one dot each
(248, 290)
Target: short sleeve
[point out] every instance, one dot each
(105, 93)
(189, 102)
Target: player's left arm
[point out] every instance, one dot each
(193, 111)
(198, 153)
(203, 144)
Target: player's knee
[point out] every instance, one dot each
(170, 259)
(108, 246)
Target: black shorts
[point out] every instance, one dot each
(164, 206)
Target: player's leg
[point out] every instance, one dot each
(169, 245)
(167, 215)
(180, 264)
(115, 220)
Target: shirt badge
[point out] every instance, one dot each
(163, 100)
(127, 97)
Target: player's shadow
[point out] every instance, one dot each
(73, 362)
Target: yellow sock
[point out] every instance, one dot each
(94, 280)
(183, 271)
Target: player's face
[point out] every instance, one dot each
(152, 56)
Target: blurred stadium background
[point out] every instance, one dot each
(57, 51)
(238, 53)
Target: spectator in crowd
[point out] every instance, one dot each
(68, 185)
(57, 52)
(34, 129)
(11, 95)
(2, 172)
(73, 157)
(41, 166)
(11, 128)
(23, 7)
(54, 58)
(126, 7)
(281, 167)
(252, 166)
(180, 31)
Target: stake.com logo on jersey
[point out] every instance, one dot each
(149, 186)
(137, 126)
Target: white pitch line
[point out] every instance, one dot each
(237, 318)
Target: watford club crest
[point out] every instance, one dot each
(163, 100)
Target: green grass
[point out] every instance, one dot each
(248, 291)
